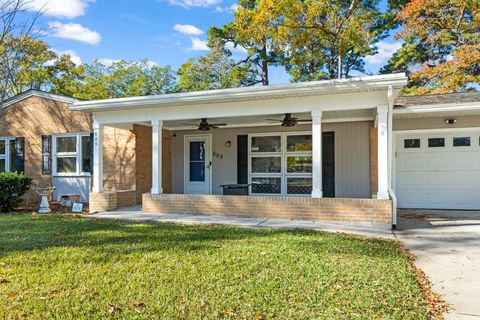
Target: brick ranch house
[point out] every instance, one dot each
(42, 137)
(346, 151)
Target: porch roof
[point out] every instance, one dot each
(291, 90)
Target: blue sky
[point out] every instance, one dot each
(167, 32)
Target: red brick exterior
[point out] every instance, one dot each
(362, 212)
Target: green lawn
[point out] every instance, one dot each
(66, 267)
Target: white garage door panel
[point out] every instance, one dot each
(438, 178)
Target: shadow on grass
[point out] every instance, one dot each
(22, 232)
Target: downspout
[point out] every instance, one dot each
(393, 196)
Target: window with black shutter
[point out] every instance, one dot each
(46, 154)
(20, 155)
(90, 151)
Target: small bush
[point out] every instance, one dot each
(13, 186)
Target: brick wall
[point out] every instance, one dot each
(33, 117)
(143, 164)
(361, 212)
(111, 200)
(118, 159)
(373, 160)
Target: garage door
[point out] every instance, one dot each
(438, 170)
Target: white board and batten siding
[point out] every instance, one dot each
(438, 177)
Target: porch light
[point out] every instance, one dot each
(450, 121)
(228, 144)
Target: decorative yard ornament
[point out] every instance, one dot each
(44, 194)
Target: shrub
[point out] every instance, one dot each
(13, 186)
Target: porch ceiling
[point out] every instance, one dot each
(251, 121)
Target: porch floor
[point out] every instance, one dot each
(134, 213)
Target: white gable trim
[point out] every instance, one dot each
(41, 94)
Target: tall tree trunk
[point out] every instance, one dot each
(339, 68)
(331, 68)
(263, 55)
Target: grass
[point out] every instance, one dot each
(66, 267)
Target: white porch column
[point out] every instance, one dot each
(97, 157)
(382, 127)
(317, 168)
(157, 127)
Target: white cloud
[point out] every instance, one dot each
(59, 8)
(238, 49)
(73, 55)
(74, 31)
(188, 29)
(231, 8)
(199, 44)
(107, 62)
(151, 64)
(385, 52)
(194, 3)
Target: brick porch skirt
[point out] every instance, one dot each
(348, 211)
(111, 200)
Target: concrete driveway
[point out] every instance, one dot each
(447, 246)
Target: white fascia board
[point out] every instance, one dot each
(350, 101)
(439, 107)
(40, 94)
(365, 84)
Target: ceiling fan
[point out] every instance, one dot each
(205, 126)
(290, 121)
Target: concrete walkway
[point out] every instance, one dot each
(447, 246)
(135, 214)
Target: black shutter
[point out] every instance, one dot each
(328, 164)
(46, 154)
(90, 151)
(20, 155)
(242, 159)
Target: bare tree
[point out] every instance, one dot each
(17, 29)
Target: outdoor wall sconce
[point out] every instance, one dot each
(450, 121)
(228, 144)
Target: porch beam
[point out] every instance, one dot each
(157, 127)
(97, 157)
(382, 129)
(317, 185)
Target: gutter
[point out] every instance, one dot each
(393, 196)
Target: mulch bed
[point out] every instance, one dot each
(56, 207)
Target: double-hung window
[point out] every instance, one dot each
(4, 154)
(12, 153)
(71, 155)
(298, 173)
(265, 164)
(280, 163)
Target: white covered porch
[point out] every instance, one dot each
(324, 104)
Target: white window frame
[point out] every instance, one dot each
(300, 154)
(77, 154)
(283, 154)
(6, 156)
